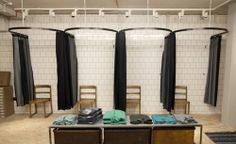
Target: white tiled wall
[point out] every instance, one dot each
(95, 51)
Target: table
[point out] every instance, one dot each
(128, 125)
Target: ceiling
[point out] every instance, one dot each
(120, 4)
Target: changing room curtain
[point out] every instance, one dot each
(168, 72)
(23, 74)
(120, 72)
(213, 71)
(66, 70)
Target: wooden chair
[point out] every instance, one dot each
(45, 92)
(134, 96)
(181, 98)
(89, 90)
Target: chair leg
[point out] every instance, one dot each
(30, 110)
(139, 108)
(185, 108)
(78, 106)
(36, 108)
(51, 107)
(44, 107)
(188, 107)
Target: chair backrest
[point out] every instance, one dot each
(43, 91)
(181, 92)
(90, 91)
(133, 92)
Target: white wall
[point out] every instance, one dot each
(228, 106)
(96, 56)
(3, 23)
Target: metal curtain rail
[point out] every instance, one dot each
(204, 28)
(90, 28)
(11, 30)
(147, 28)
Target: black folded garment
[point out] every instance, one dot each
(91, 120)
(89, 111)
(90, 117)
(140, 119)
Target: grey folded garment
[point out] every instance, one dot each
(66, 120)
(140, 119)
(91, 120)
(185, 119)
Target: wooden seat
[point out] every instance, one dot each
(181, 98)
(87, 90)
(43, 94)
(134, 96)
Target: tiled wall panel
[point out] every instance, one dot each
(95, 51)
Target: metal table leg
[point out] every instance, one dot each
(50, 136)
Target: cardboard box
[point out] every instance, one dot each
(5, 78)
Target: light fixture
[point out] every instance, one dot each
(25, 13)
(128, 13)
(51, 12)
(8, 3)
(101, 13)
(155, 14)
(204, 14)
(74, 13)
(181, 14)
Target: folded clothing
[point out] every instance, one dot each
(114, 117)
(163, 119)
(140, 119)
(91, 120)
(185, 119)
(89, 115)
(66, 120)
(89, 111)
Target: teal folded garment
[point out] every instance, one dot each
(66, 120)
(163, 119)
(114, 117)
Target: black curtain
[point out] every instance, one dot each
(23, 74)
(168, 73)
(213, 71)
(66, 70)
(120, 72)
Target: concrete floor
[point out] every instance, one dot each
(19, 129)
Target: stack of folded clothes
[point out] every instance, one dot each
(66, 120)
(163, 119)
(89, 115)
(114, 117)
(140, 119)
(185, 119)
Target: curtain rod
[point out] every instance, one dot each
(147, 28)
(203, 28)
(36, 28)
(90, 28)
(11, 30)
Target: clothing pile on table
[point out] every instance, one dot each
(90, 115)
(163, 119)
(66, 120)
(140, 119)
(185, 119)
(114, 117)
